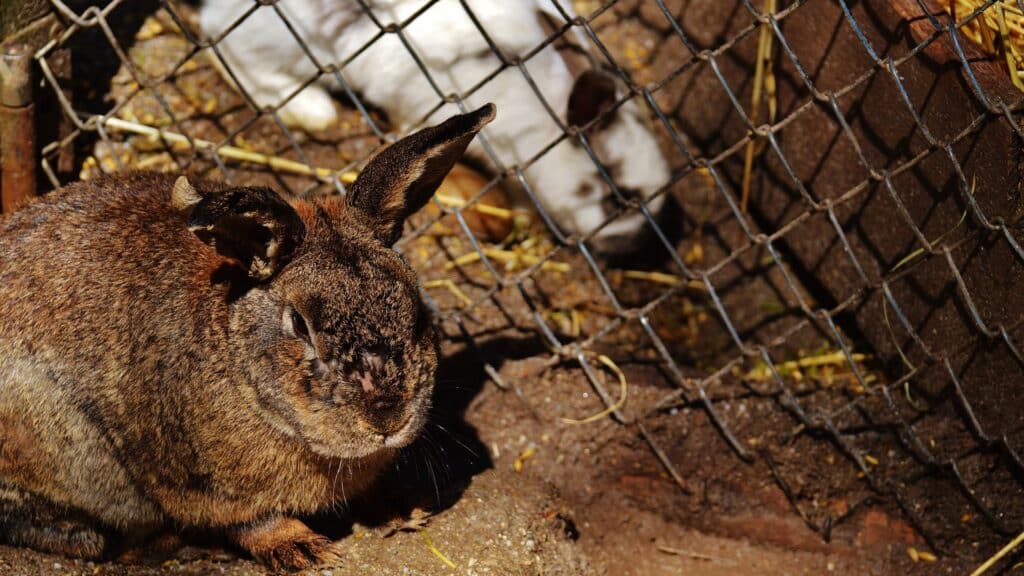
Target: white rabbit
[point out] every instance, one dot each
(269, 62)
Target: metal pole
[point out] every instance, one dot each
(17, 128)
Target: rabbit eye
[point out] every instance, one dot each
(299, 326)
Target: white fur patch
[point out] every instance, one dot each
(270, 64)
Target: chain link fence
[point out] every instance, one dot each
(840, 293)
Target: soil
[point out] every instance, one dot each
(515, 476)
(500, 525)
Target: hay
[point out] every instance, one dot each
(1013, 544)
(764, 81)
(998, 30)
(623, 385)
(826, 365)
(181, 142)
(435, 551)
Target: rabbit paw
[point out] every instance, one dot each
(286, 544)
(312, 110)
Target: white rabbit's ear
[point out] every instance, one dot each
(401, 178)
(253, 226)
(592, 94)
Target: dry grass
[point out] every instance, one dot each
(998, 29)
(764, 82)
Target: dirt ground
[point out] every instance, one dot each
(500, 525)
(513, 483)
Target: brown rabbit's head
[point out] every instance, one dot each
(324, 315)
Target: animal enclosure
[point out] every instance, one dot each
(817, 348)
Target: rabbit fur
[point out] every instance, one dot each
(267, 59)
(180, 353)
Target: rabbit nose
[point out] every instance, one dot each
(365, 380)
(611, 202)
(630, 194)
(373, 379)
(367, 371)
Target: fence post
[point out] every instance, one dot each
(17, 129)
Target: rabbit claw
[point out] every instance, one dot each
(286, 544)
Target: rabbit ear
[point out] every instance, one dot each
(592, 94)
(254, 226)
(401, 178)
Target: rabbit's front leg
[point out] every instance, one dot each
(285, 543)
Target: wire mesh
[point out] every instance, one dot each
(841, 236)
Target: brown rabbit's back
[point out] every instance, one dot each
(92, 262)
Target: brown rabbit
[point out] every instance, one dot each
(190, 355)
